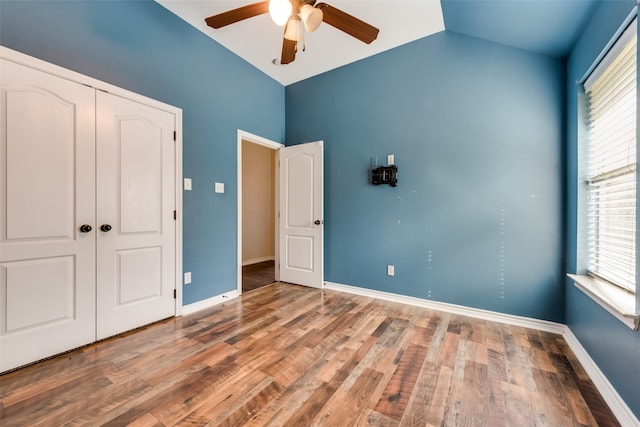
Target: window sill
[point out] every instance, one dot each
(617, 301)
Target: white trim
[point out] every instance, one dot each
(254, 139)
(257, 260)
(525, 322)
(41, 65)
(179, 210)
(617, 405)
(65, 73)
(617, 35)
(617, 301)
(209, 302)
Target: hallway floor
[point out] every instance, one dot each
(255, 276)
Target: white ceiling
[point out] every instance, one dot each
(259, 41)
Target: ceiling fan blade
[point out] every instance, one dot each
(288, 51)
(347, 23)
(232, 16)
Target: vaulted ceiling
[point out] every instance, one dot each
(548, 27)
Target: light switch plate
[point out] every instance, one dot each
(187, 184)
(219, 187)
(391, 160)
(187, 278)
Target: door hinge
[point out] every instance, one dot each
(175, 135)
(175, 215)
(175, 294)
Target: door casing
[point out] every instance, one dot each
(254, 139)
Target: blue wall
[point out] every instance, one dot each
(612, 345)
(142, 47)
(477, 132)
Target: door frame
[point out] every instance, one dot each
(47, 67)
(273, 145)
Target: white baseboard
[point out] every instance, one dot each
(525, 322)
(209, 302)
(617, 405)
(257, 260)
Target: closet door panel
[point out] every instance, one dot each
(41, 153)
(136, 198)
(47, 190)
(140, 158)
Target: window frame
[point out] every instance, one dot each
(620, 302)
(611, 91)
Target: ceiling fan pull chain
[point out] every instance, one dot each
(304, 47)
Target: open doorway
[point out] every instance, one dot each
(258, 216)
(257, 220)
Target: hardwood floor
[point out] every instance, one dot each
(257, 275)
(285, 355)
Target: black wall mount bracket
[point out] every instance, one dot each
(385, 175)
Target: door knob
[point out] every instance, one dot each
(105, 227)
(85, 228)
(317, 222)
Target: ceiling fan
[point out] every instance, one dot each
(293, 14)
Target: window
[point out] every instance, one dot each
(611, 164)
(607, 171)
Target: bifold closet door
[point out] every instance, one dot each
(135, 222)
(47, 194)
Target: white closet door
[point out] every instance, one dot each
(47, 192)
(136, 199)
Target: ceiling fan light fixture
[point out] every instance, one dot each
(293, 30)
(280, 10)
(311, 17)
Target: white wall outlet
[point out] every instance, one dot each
(219, 187)
(187, 277)
(391, 159)
(187, 184)
(391, 270)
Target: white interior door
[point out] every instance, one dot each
(47, 192)
(301, 214)
(136, 200)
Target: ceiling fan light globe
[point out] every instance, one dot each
(280, 10)
(293, 30)
(311, 17)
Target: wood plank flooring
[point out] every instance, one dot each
(285, 355)
(257, 275)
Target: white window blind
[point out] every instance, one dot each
(611, 90)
